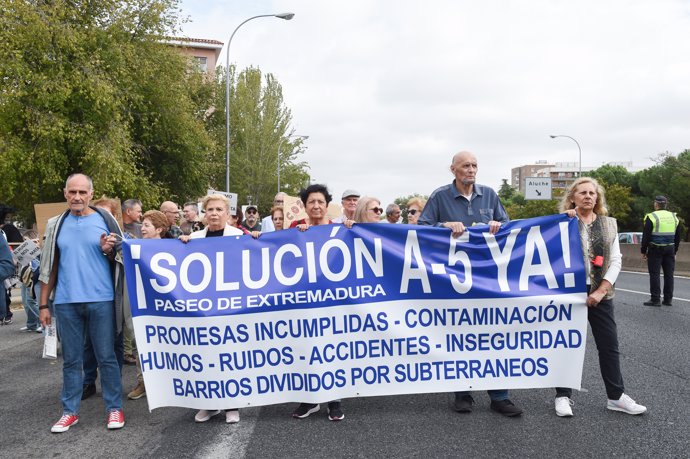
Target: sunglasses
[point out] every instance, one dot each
(251, 211)
(378, 210)
(412, 211)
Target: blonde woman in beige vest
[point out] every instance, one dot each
(585, 199)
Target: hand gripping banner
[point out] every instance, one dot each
(332, 312)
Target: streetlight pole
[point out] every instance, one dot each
(578, 149)
(303, 137)
(287, 17)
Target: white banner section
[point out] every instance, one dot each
(382, 348)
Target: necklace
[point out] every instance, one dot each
(591, 220)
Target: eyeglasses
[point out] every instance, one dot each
(378, 210)
(412, 211)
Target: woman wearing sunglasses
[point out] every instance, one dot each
(415, 206)
(368, 210)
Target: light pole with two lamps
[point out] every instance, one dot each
(287, 17)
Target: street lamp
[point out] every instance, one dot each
(287, 17)
(578, 149)
(303, 137)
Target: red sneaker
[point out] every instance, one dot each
(65, 422)
(116, 419)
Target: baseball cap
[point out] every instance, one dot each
(660, 199)
(349, 193)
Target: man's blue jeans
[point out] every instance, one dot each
(91, 364)
(31, 308)
(75, 321)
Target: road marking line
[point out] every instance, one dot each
(235, 439)
(646, 274)
(647, 294)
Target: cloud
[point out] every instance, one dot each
(389, 90)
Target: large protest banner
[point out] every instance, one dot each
(373, 310)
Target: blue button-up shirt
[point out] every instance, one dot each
(446, 204)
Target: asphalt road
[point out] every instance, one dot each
(655, 346)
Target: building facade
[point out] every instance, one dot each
(203, 52)
(562, 174)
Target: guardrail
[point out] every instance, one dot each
(633, 261)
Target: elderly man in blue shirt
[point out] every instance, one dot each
(457, 206)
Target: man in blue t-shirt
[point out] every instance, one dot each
(458, 206)
(78, 267)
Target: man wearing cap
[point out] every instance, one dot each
(267, 222)
(349, 201)
(660, 242)
(251, 218)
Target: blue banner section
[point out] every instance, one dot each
(332, 265)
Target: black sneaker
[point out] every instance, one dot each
(305, 409)
(505, 407)
(667, 303)
(88, 390)
(7, 321)
(335, 412)
(463, 403)
(652, 303)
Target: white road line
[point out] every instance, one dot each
(647, 274)
(647, 293)
(675, 298)
(234, 441)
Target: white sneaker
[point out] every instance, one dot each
(232, 416)
(563, 406)
(626, 405)
(205, 415)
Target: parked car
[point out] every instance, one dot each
(630, 238)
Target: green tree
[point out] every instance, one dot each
(402, 203)
(620, 196)
(506, 192)
(612, 175)
(532, 208)
(618, 201)
(260, 129)
(91, 87)
(671, 178)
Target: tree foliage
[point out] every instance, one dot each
(532, 208)
(629, 196)
(91, 87)
(671, 178)
(506, 192)
(402, 203)
(260, 137)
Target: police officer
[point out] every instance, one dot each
(660, 241)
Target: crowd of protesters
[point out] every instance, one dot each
(82, 285)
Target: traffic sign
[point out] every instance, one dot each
(537, 188)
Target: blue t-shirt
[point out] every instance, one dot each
(83, 273)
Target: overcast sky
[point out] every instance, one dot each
(389, 90)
